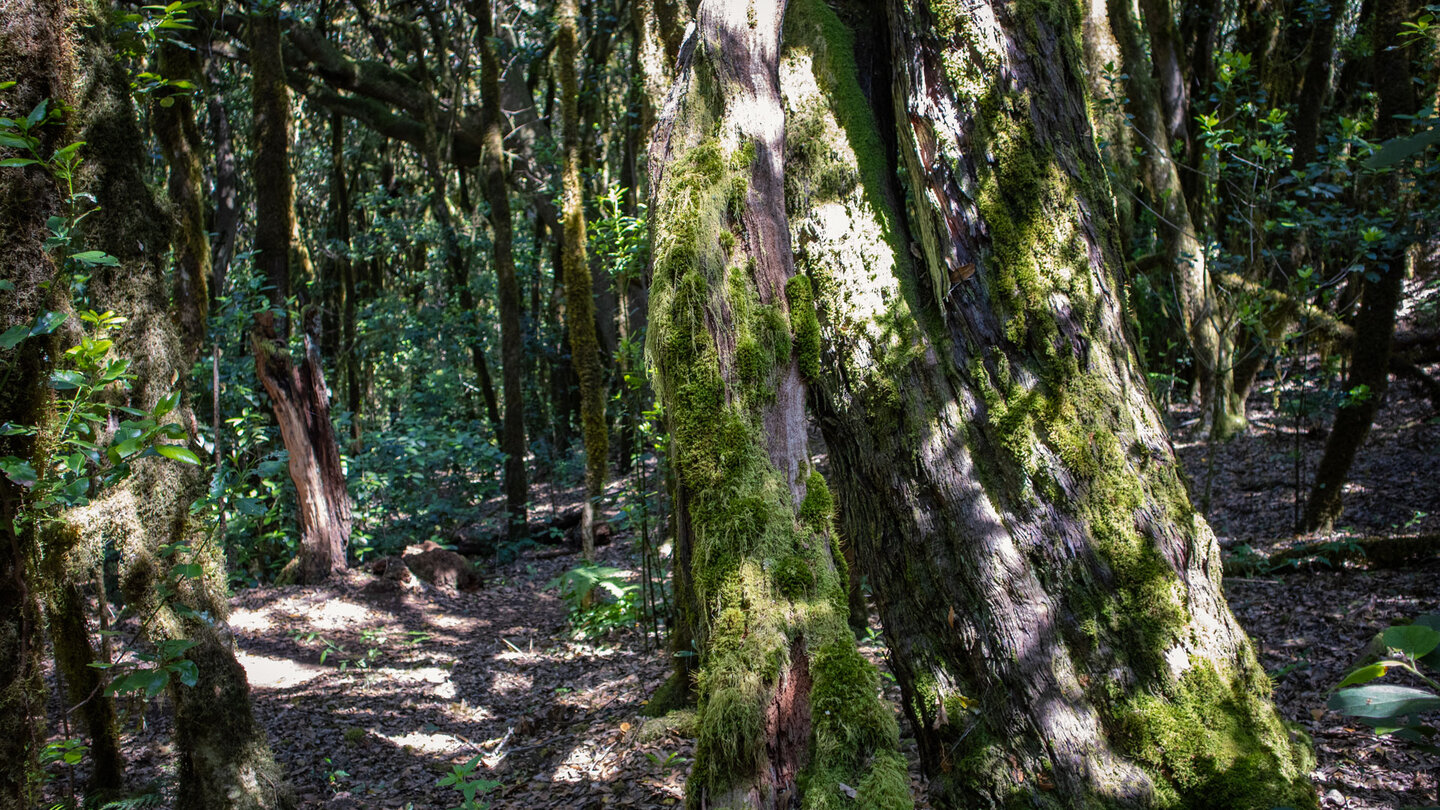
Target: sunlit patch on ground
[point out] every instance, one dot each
(265, 672)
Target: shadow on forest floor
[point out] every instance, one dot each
(370, 698)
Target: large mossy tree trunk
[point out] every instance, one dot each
(224, 758)
(579, 295)
(296, 386)
(35, 55)
(788, 711)
(512, 346)
(1382, 285)
(1051, 600)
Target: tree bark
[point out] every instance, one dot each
(172, 119)
(512, 349)
(1159, 103)
(1051, 600)
(224, 758)
(579, 297)
(787, 707)
(296, 386)
(1382, 286)
(35, 54)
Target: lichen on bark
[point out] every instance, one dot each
(1051, 600)
(787, 706)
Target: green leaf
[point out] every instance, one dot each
(189, 571)
(1397, 149)
(177, 452)
(1383, 701)
(17, 162)
(96, 257)
(38, 114)
(65, 380)
(250, 506)
(6, 285)
(1415, 640)
(1365, 674)
(166, 404)
(48, 323)
(1432, 621)
(13, 336)
(188, 673)
(128, 447)
(19, 471)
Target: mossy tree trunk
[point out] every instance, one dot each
(1051, 600)
(298, 394)
(1382, 285)
(512, 348)
(579, 296)
(172, 118)
(35, 55)
(788, 711)
(224, 758)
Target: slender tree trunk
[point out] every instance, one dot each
(1382, 286)
(35, 54)
(787, 707)
(1159, 104)
(172, 118)
(227, 192)
(1052, 602)
(296, 386)
(512, 349)
(579, 298)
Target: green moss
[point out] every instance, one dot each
(793, 577)
(1217, 743)
(805, 326)
(818, 508)
(847, 721)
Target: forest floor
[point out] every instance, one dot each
(370, 697)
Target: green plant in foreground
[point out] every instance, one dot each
(1391, 709)
(601, 599)
(461, 780)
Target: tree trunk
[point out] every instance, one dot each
(224, 758)
(1051, 600)
(1382, 286)
(35, 54)
(1159, 104)
(297, 390)
(512, 349)
(172, 118)
(579, 298)
(226, 224)
(787, 706)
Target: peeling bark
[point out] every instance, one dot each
(296, 386)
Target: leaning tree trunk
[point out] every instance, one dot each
(1382, 285)
(171, 571)
(512, 349)
(35, 54)
(788, 710)
(296, 386)
(1051, 600)
(579, 297)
